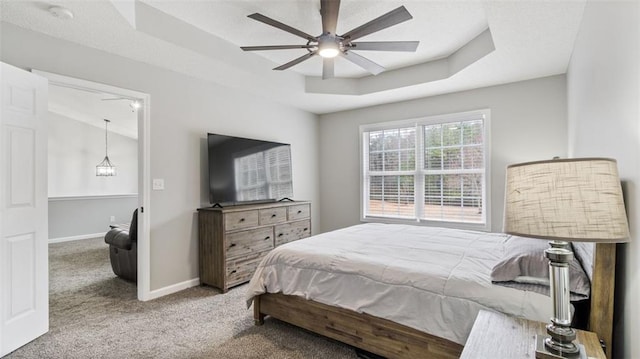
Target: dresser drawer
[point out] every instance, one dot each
(292, 231)
(250, 241)
(273, 215)
(239, 220)
(241, 270)
(299, 211)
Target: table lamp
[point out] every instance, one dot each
(563, 200)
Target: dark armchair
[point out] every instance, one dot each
(123, 249)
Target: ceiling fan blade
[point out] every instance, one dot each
(329, 12)
(281, 26)
(275, 47)
(327, 67)
(296, 61)
(389, 19)
(409, 46)
(363, 62)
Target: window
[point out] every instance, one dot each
(428, 170)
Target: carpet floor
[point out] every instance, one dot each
(94, 314)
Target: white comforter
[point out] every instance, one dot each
(431, 279)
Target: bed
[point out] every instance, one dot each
(399, 291)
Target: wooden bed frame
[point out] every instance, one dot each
(393, 340)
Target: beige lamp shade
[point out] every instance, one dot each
(566, 199)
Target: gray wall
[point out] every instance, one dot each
(603, 84)
(183, 110)
(91, 215)
(528, 122)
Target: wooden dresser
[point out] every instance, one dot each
(233, 240)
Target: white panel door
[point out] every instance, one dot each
(24, 263)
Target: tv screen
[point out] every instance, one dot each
(248, 170)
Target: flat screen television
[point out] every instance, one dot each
(247, 170)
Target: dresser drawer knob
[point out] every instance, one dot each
(305, 229)
(232, 245)
(281, 234)
(267, 237)
(233, 271)
(299, 211)
(273, 215)
(241, 219)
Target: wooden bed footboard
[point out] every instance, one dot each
(375, 335)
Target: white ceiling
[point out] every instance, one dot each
(92, 109)
(442, 27)
(201, 39)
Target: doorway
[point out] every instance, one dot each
(140, 104)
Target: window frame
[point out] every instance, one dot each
(419, 123)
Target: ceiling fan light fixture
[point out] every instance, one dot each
(329, 52)
(328, 49)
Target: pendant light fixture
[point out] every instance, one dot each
(105, 168)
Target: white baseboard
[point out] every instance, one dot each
(172, 289)
(76, 238)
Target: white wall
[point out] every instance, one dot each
(603, 85)
(528, 122)
(183, 110)
(75, 148)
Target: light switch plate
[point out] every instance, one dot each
(158, 184)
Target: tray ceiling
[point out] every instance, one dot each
(202, 38)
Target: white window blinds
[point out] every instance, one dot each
(429, 170)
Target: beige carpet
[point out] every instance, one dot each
(94, 314)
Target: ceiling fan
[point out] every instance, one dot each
(329, 44)
(134, 104)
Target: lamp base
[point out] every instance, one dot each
(542, 352)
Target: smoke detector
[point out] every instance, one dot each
(61, 12)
